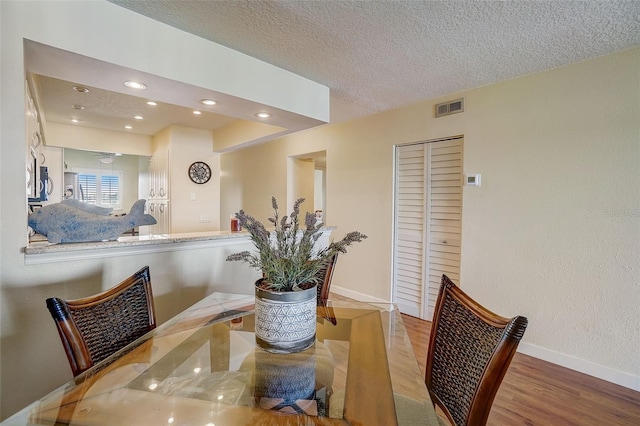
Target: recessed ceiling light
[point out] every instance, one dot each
(197, 112)
(263, 115)
(75, 120)
(80, 89)
(138, 117)
(78, 107)
(135, 85)
(151, 103)
(208, 102)
(128, 127)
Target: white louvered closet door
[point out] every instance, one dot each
(428, 217)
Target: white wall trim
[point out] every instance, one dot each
(580, 365)
(611, 375)
(356, 295)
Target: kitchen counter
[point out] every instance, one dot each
(40, 247)
(45, 252)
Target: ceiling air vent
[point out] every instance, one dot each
(451, 107)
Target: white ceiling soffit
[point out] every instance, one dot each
(109, 105)
(379, 55)
(109, 110)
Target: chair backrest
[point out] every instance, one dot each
(470, 349)
(324, 280)
(95, 327)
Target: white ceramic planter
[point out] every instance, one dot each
(285, 321)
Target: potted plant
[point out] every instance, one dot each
(290, 262)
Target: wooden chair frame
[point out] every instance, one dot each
(325, 281)
(94, 327)
(471, 355)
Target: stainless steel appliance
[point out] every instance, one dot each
(72, 188)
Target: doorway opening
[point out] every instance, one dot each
(307, 178)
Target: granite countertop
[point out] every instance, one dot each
(40, 245)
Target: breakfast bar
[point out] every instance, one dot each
(41, 251)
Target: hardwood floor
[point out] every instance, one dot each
(536, 392)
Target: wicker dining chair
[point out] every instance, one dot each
(470, 349)
(324, 281)
(94, 327)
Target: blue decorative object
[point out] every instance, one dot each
(103, 211)
(72, 221)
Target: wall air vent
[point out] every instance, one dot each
(451, 107)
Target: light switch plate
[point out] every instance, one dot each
(472, 180)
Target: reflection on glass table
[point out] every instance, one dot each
(203, 368)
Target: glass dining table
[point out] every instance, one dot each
(204, 368)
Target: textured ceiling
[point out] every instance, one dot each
(379, 55)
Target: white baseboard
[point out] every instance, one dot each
(617, 377)
(356, 295)
(583, 366)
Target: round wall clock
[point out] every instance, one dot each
(200, 172)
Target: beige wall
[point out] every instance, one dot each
(552, 233)
(189, 201)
